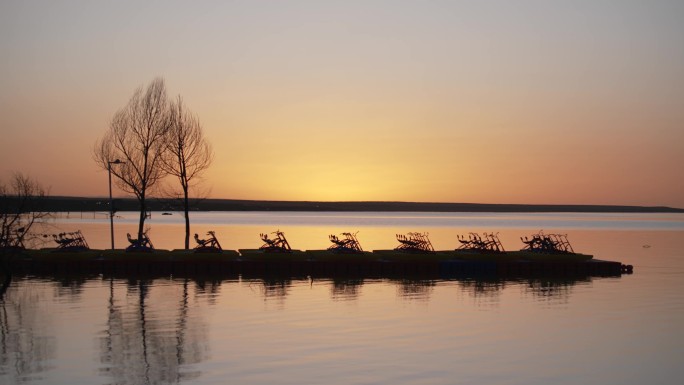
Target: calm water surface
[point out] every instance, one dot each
(310, 330)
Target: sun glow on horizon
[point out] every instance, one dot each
(382, 101)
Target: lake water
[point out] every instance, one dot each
(310, 330)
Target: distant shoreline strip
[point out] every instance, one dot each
(85, 204)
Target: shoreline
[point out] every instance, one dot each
(89, 204)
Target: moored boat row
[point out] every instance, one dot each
(412, 247)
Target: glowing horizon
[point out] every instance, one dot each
(528, 103)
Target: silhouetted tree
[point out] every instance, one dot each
(20, 208)
(188, 154)
(137, 136)
(20, 348)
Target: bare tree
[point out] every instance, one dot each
(21, 208)
(188, 154)
(137, 137)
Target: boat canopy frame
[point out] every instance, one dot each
(210, 244)
(73, 241)
(414, 243)
(277, 244)
(348, 244)
(143, 244)
(487, 242)
(548, 243)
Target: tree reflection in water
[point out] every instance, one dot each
(25, 351)
(152, 338)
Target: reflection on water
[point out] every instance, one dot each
(157, 330)
(26, 344)
(483, 288)
(154, 330)
(547, 290)
(70, 288)
(345, 289)
(415, 289)
(151, 338)
(276, 288)
(356, 329)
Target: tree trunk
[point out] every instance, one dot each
(6, 275)
(143, 215)
(186, 208)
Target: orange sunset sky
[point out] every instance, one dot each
(544, 102)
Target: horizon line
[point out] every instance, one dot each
(568, 205)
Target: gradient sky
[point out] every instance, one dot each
(545, 102)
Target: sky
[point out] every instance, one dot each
(529, 102)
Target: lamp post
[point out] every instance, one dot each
(111, 201)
